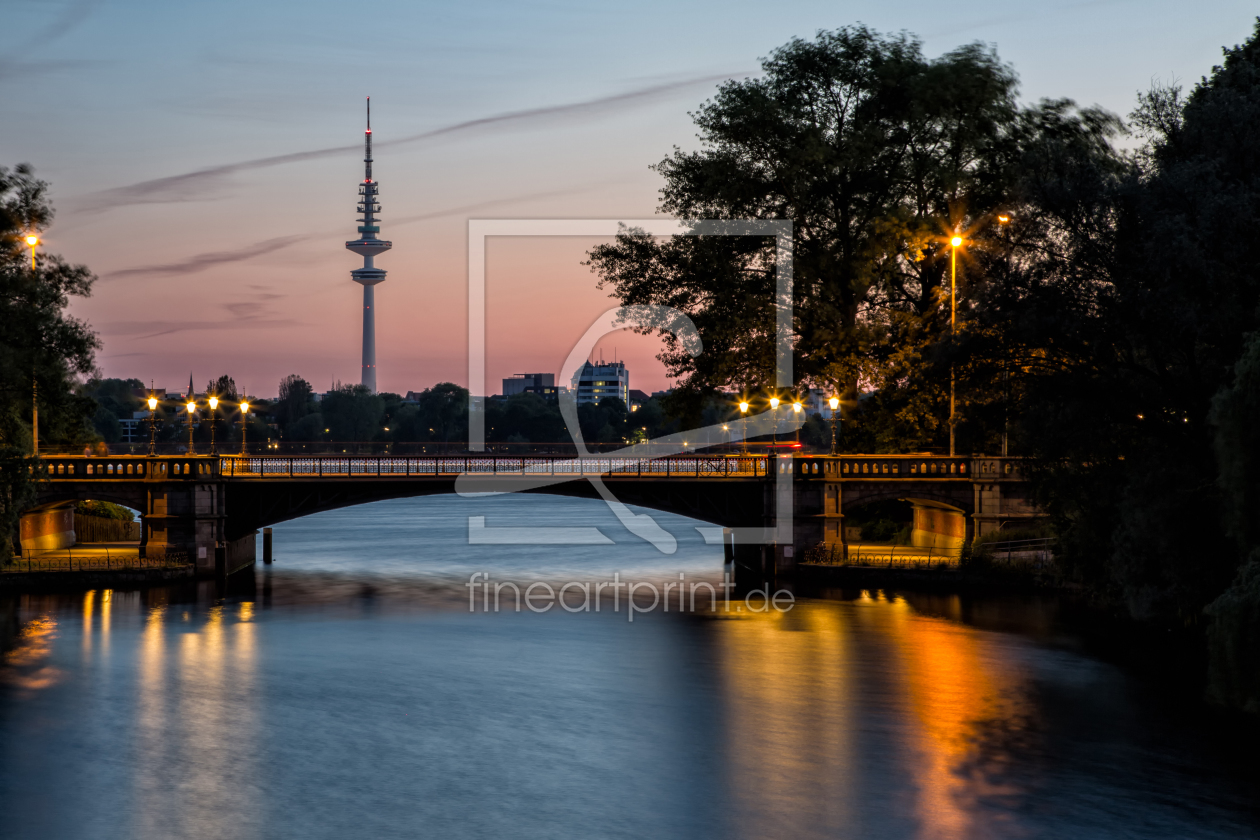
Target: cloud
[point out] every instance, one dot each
(191, 186)
(201, 262)
(153, 329)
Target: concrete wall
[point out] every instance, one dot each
(936, 527)
(41, 530)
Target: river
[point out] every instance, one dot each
(349, 692)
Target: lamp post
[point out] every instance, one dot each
(774, 412)
(953, 315)
(835, 407)
(796, 409)
(152, 426)
(743, 424)
(31, 242)
(214, 403)
(190, 407)
(1005, 219)
(244, 421)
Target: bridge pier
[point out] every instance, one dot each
(183, 511)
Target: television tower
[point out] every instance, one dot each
(368, 246)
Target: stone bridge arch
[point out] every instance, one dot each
(259, 504)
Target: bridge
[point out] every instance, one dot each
(209, 508)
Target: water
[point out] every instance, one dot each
(352, 695)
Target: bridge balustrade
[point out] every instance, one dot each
(320, 467)
(194, 468)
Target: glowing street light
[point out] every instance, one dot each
(953, 316)
(31, 242)
(153, 403)
(244, 420)
(214, 403)
(834, 402)
(743, 423)
(774, 412)
(191, 407)
(796, 409)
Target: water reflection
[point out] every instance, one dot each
(790, 720)
(805, 689)
(356, 706)
(26, 666)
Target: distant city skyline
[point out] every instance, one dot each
(200, 166)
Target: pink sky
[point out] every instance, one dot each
(206, 170)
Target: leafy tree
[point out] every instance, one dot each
(309, 428)
(876, 154)
(115, 401)
(1129, 324)
(224, 388)
(441, 414)
(42, 349)
(105, 510)
(352, 413)
(295, 402)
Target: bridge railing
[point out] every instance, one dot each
(344, 467)
(90, 560)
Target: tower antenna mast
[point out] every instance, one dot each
(368, 246)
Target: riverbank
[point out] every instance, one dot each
(63, 581)
(970, 578)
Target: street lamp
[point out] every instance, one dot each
(190, 407)
(743, 424)
(214, 403)
(152, 426)
(774, 412)
(244, 420)
(953, 316)
(835, 406)
(31, 242)
(796, 409)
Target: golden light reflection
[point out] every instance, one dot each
(952, 687)
(790, 716)
(213, 715)
(805, 709)
(107, 603)
(26, 666)
(152, 719)
(89, 606)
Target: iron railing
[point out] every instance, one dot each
(31, 560)
(335, 467)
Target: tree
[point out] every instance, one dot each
(295, 402)
(352, 413)
(224, 388)
(42, 349)
(1130, 322)
(444, 409)
(876, 154)
(115, 401)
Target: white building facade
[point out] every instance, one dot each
(593, 382)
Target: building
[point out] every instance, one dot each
(637, 398)
(135, 429)
(593, 382)
(543, 384)
(369, 247)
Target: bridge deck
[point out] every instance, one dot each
(755, 466)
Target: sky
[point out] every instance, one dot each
(204, 158)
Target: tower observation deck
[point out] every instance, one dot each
(368, 246)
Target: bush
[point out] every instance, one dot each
(105, 510)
